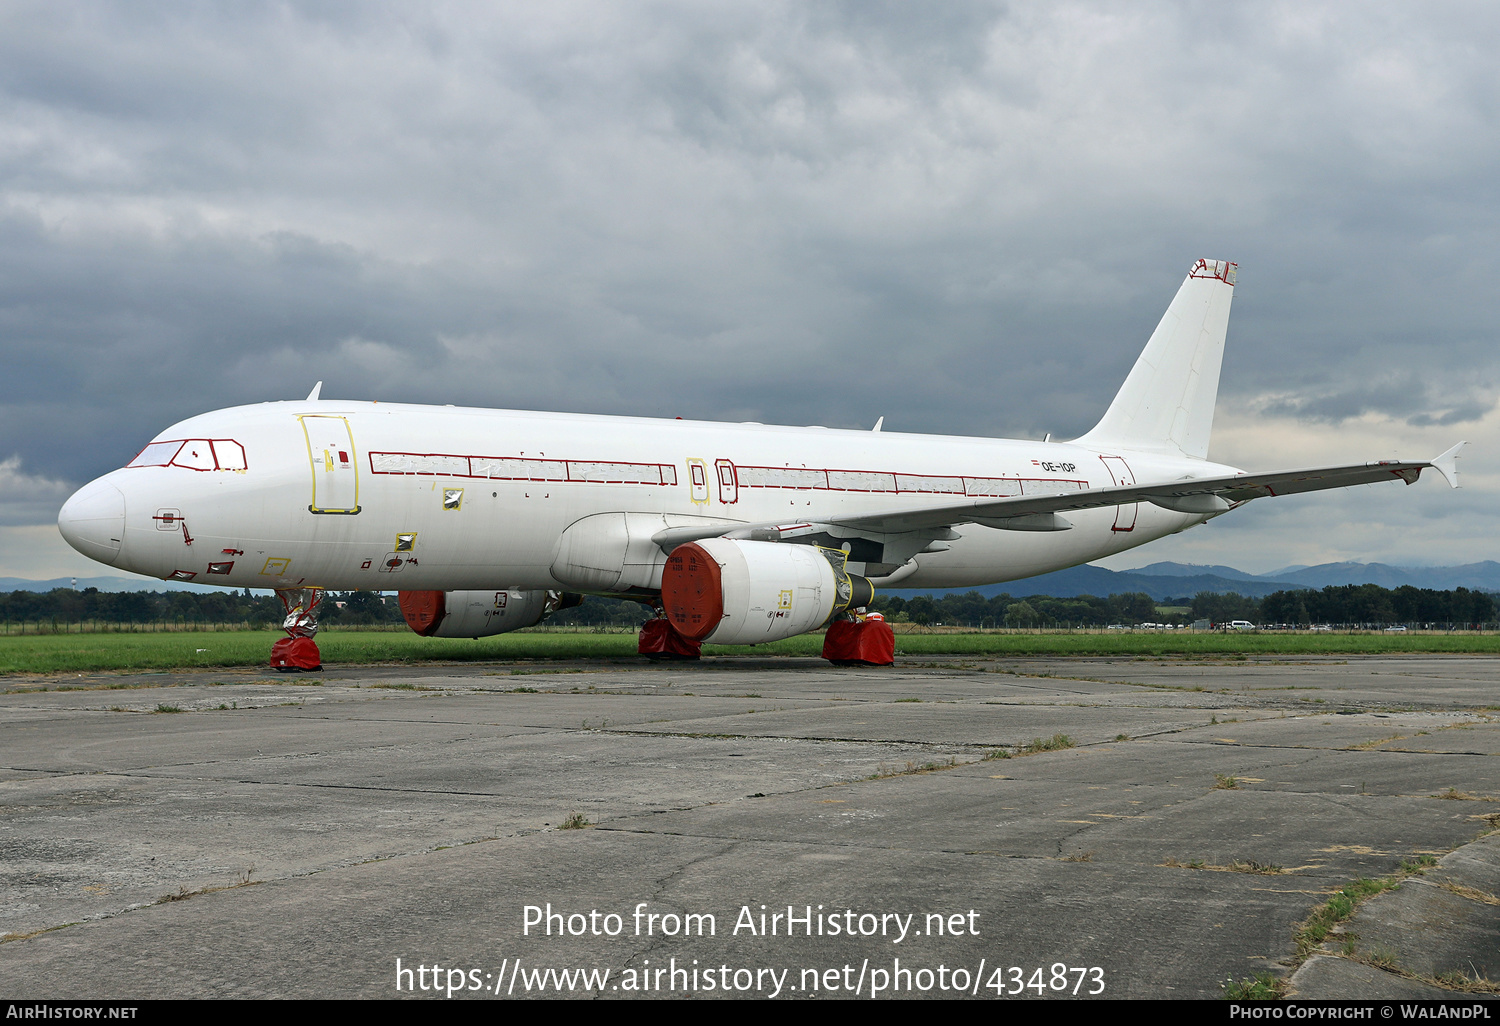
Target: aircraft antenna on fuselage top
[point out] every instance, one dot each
(313, 395)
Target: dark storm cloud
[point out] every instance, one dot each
(965, 218)
(1404, 394)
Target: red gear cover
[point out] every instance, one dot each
(860, 643)
(660, 641)
(290, 654)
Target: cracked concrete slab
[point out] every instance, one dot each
(414, 812)
(1442, 925)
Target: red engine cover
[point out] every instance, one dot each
(423, 610)
(692, 591)
(660, 641)
(867, 643)
(296, 654)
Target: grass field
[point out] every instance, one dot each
(79, 653)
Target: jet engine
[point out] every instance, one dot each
(479, 614)
(727, 592)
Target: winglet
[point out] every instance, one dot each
(311, 396)
(1447, 465)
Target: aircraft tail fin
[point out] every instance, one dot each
(1167, 402)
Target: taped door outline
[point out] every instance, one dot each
(698, 481)
(728, 483)
(335, 469)
(1122, 475)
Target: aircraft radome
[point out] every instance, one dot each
(487, 520)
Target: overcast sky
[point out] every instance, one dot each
(965, 217)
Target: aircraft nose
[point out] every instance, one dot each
(93, 521)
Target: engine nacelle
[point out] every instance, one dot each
(727, 592)
(479, 614)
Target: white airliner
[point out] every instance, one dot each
(769, 531)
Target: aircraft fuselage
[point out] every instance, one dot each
(362, 495)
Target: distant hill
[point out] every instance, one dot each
(1095, 580)
(1172, 580)
(1195, 570)
(1159, 580)
(1483, 576)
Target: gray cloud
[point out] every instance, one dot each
(1403, 394)
(28, 498)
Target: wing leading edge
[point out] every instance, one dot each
(1203, 495)
(1190, 495)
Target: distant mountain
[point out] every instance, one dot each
(1483, 576)
(1159, 580)
(1096, 580)
(1195, 570)
(1173, 580)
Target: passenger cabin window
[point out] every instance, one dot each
(193, 454)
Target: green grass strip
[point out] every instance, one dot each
(80, 653)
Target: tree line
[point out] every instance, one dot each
(1372, 604)
(1350, 605)
(1339, 605)
(141, 608)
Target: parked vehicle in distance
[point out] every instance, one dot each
(1321, 628)
(1241, 625)
(1399, 628)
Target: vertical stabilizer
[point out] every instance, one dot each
(1167, 403)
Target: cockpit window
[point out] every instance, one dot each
(230, 454)
(193, 454)
(157, 454)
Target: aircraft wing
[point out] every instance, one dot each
(1041, 512)
(1190, 495)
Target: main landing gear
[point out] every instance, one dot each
(860, 639)
(659, 640)
(297, 651)
(854, 639)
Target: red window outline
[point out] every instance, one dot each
(215, 446)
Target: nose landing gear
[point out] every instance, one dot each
(298, 652)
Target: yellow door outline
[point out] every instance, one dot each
(698, 485)
(322, 462)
